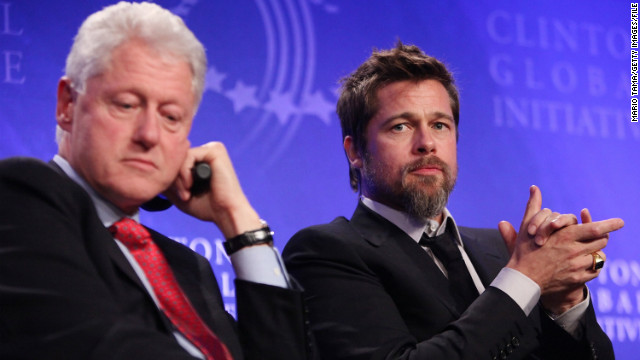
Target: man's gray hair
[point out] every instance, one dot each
(112, 26)
(105, 30)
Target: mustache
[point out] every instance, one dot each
(431, 161)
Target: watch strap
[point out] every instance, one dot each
(255, 237)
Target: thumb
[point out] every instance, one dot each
(509, 235)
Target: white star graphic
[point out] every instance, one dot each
(242, 96)
(281, 104)
(315, 104)
(214, 80)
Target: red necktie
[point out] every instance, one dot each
(171, 298)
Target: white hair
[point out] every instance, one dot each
(105, 30)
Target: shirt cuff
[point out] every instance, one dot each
(570, 319)
(260, 264)
(524, 291)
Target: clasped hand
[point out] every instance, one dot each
(555, 251)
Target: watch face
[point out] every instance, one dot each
(262, 234)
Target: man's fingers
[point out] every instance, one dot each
(562, 221)
(598, 229)
(184, 181)
(551, 224)
(533, 205)
(537, 220)
(592, 259)
(585, 216)
(509, 235)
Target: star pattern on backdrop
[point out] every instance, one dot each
(281, 104)
(214, 79)
(315, 104)
(243, 96)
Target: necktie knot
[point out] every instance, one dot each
(130, 233)
(443, 246)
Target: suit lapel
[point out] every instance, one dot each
(103, 240)
(197, 281)
(402, 250)
(487, 254)
(185, 267)
(122, 263)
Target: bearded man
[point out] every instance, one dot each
(400, 279)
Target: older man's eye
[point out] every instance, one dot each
(124, 105)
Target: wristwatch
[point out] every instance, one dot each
(264, 235)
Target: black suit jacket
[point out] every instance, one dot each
(68, 292)
(374, 293)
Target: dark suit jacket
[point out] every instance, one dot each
(374, 293)
(68, 292)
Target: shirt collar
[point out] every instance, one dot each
(107, 212)
(410, 225)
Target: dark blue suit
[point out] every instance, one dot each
(68, 292)
(374, 293)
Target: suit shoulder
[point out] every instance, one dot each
(337, 231)
(27, 170)
(484, 238)
(36, 185)
(478, 232)
(24, 165)
(339, 228)
(335, 227)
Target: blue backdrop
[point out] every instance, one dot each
(545, 94)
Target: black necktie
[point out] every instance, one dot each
(461, 285)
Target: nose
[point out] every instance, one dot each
(147, 132)
(424, 142)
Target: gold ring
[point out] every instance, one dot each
(598, 261)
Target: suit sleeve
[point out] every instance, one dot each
(272, 322)
(271, 319)
(353, 316)
(55, 302)
(555, 342)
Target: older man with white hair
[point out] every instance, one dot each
(80, 278)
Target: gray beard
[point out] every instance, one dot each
(410, 197)
(420, 204)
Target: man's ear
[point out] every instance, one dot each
(65, 103)
(352, 153)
